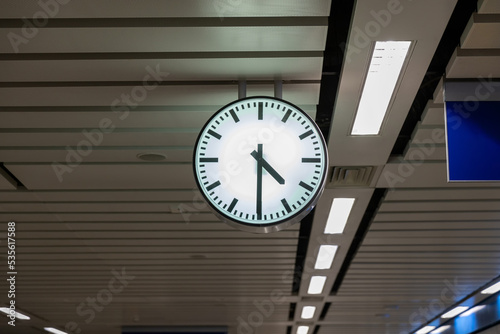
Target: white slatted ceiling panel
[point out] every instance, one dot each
(428, 237)
(113, 211)
(492, 330)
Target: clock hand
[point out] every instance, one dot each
(259, 159)
(269, 169)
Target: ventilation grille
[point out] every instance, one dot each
(359, 176)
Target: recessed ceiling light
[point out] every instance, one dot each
(302, 329)
(316, 285)
(454, 312)
(385, 68)
(425, 330)
(54, 330)
(151, 156)
(440, 329)
(18, 315)
(325, 257)
(308, 312)
(473, 310)
(492, 289)
(339, 213)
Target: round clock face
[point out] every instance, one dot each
(260, 163)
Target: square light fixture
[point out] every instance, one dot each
(472, 310)
(302, 329)
(454, 312)
(18, 315)
(308, 312)
(325, 257)
(339, 213)
(492, 289)
(54, 330)
(425, 330)
(385, 69)
(440, 329)
(316, 285)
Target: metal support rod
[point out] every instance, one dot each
(278, 89)
(242, 89)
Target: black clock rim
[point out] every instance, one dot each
(282, 223)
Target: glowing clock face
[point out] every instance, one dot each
(260, 163)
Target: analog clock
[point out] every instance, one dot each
(260, 163)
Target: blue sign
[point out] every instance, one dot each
(472, 132)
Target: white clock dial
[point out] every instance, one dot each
(261, 163)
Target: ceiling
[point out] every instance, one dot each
(84, 93)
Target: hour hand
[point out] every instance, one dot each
(268, 168)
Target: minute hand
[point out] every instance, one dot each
(269, 169)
